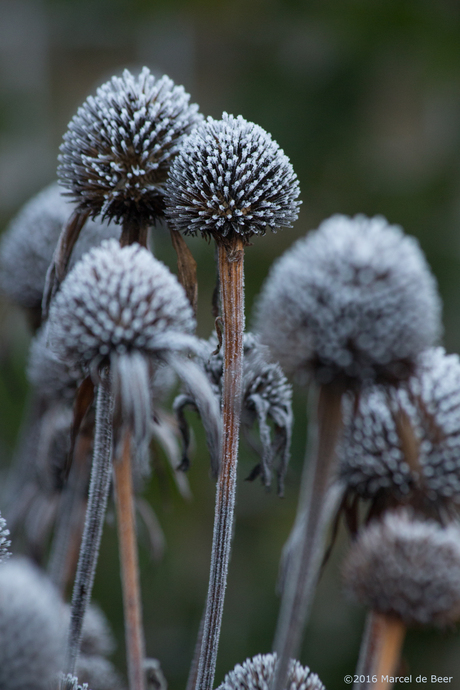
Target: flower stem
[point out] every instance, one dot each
(380, 651)
(129, 566)
(95, 513)
(316, 504)
(231, 273)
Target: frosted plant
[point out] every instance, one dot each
(31, 627)
(351, 303)
(407, 572)
(4, 541)
(70, 682)
(266, 396)
(405, 445)
(27, 247)
(230, 181)
(115, 159)
(258, 674)
(119, 314)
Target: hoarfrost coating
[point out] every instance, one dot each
(117, 300)
(371, 452)
(258, 674)
(407, 568)
(354, 299)
(118, 148)
(5, 543)
(231, 177)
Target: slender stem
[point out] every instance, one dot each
(134, 230)
(95, 513)
(232, 293)
(316, 505)
(129, 566)
(380, 651)
(186, 268)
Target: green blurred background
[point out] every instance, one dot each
(364, 96)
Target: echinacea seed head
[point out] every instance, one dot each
(31, 628)
(408, 568)
(28, 244)
(117, 151)
(5, 543)
(258, 674)
(372, 452)
(117, 300)
(230, 177)
(354, 300)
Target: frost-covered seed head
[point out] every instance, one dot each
(27, 247)
(117, 151)
(69, 682)
(98, 673)
(407, 568)
(31, 628)
(354, 300)
(115, 301)
(231, 177)
(258, 674)
(5, 543)
(54, 378)
(372, 457)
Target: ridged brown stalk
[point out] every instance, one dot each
(380, 651)
(92, 533)
(317, 503)
(129, 566)
(231, 256)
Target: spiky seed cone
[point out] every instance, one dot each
(31, 627)
(117, 151)
(231, 178)
(230, 181)
(258, 674)
(373, 454)
(354, 299)
(28, 244)
(5, 543)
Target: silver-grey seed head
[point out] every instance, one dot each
(258, 674)
(407, 568)
(372, 451)
(98, 673)
(117, 150)
(354, 299)
(5, 543)
(28, 244)
(231, 177)
(31, 628)
(115, 301)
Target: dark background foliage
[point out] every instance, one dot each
(364, 96)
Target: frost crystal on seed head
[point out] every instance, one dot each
(4, 541)
(28, 244)
(231, 177)
(372, 457)
(354, 299)
(258, 674)
(407, 568)
(31, 628)
(118, 148)
(117, 300)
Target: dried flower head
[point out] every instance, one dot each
(354, 300)
(373, 452)
(267, 396)
(98, 672)
(258, 673)
(28, 245)
(70, 682)
(407, 568)
(117, 151)
(31, 628)
(5, 543)
(116, 301)
(231, 177)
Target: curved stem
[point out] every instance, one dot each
(95, 513)
(134, 634)
(232, 293)
(316, 503)
(380, 651)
